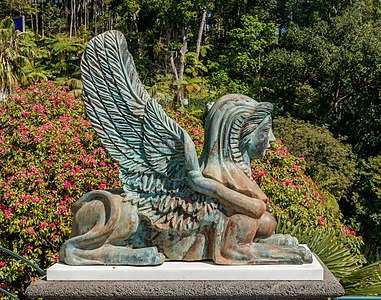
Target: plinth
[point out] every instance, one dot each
(183, 280)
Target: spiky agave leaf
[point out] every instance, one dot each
(338, 258)
(365, 281)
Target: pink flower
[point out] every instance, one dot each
(321, 221)
(263, 174)
(309, 202)
(31, 231)
(63, 208)
(37, 139)
(3, 263)
(102, 186)
(102, 164)
(43, 224)
(67, 184)
(298, 186)
(287, 182)
(29, 247)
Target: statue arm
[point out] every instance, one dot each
(232, 200)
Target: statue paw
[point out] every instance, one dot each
(281, 240)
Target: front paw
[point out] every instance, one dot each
(280, 240)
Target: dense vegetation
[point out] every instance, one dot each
(318, 61)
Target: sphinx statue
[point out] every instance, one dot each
(173, 205)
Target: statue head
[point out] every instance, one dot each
(237, 130)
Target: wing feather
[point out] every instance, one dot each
(147, 144)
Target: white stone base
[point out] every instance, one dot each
(173, 270)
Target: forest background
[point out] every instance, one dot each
(318, 62)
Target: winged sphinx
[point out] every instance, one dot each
(173, 205)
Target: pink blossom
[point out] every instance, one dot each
(29, 247)
(67, 184)
(263, 174)
(320, 201)
(37, 139)
(63, 208)
(31, 231)
(102, 164)
(287, 182)
(321, 221)
(298, 186)
(102, 186)
(309, 202)
(3, 263)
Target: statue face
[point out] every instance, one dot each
(260, 140)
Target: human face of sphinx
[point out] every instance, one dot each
(260, 140)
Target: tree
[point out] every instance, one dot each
(16, 57)
(329, 161)
(328, 73)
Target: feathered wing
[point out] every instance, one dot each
(147, 144)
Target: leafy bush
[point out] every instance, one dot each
(49, 158)
(329, 162)
(296, 198)
(366, 205)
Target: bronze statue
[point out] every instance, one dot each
(172, 205)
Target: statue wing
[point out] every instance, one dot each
(153, 151)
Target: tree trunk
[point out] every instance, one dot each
(200, 32)
(71, 18)
(42, 19)
(178, 71)
(95, 17)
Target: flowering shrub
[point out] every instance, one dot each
(296, 198)
(50, 157)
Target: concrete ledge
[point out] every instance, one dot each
(227, 289)
(186, 271)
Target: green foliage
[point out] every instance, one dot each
(239, 66)
(17, 52)
(364, 281)
(329, 162)
(62, 57)
(326, 244)
(294, 196)
(49, 158)
(367, 204)
(329, 72)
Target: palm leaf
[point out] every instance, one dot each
(340, 260)
(365, 281)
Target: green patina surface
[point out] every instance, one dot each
(173, 205)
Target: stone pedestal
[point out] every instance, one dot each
(211, 287)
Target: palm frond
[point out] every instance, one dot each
(338, 258)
